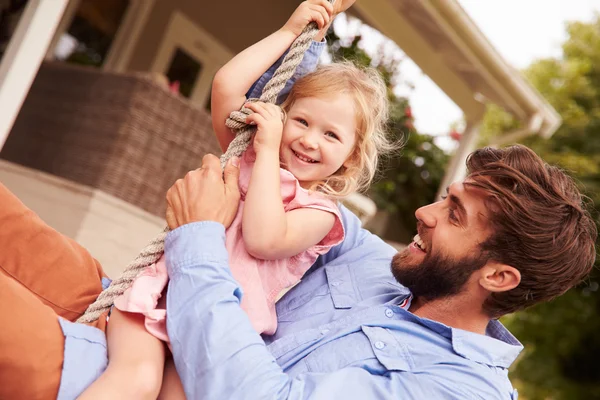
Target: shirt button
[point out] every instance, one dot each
(379, 345)
(334, 284)
(389, 313)
(324, 331)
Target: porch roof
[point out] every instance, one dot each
(449, 47)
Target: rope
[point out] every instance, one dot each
(237, 123)
(237, 120)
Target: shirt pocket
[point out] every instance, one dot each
(341, 286)
(371, 348)
(349, 350)
(391, 354)
(313, 294)
(302, 301)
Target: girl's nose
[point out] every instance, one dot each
(310, 141)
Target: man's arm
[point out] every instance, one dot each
(220, 356)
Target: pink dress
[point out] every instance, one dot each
(261, 280)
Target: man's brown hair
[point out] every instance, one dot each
(540, 222)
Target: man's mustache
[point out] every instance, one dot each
(423, 233)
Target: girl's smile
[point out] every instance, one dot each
(318, 137)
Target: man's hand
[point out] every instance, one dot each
(204, 195)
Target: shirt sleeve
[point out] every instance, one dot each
(219, 355)
(308, 64)
(335, 236)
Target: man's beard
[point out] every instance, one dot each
(437, 276)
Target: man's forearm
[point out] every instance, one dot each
(220, 356)
(217, 352)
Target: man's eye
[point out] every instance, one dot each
(452, 215)
(451, 212)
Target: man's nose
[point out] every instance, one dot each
(427, 215)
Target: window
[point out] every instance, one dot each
(184, 71)
(92, 31)
(189, 56)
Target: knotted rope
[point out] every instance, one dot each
(243, 135)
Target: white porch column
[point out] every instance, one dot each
(23, 57)
(457, 168)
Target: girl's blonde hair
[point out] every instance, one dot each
(368, 90)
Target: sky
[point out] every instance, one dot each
(520, 30)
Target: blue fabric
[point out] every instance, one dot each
(308, 64)
(340, 331)
(105, 282)
(85, 358)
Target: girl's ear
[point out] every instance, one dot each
(351, 160)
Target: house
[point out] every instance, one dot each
(92, 178)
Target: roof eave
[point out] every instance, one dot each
(516, 95)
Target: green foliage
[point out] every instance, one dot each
(408, 179)
(561, 337)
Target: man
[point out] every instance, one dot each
(512, 234)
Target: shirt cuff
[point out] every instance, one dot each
(308, 64)
(316, 48)
(194, 242)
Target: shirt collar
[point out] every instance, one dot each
(498, 347)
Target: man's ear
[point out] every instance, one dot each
(496, 277)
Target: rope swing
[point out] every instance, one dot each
(243, 136)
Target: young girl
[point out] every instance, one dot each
(320, 145)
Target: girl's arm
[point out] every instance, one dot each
(136, 361)
(235, 78)
(269, 232)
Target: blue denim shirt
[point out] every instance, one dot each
(342, 332)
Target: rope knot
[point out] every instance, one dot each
(237, 119)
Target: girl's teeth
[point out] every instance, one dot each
(309, 160)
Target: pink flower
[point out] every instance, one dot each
(174, 87)
(455, 135)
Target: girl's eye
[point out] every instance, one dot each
(302, 121)
(332, 135)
